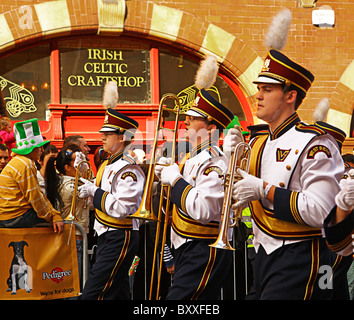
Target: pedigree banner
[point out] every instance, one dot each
(36, 263)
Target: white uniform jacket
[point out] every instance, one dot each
(198, 196)
(120, 191)
(305, 166)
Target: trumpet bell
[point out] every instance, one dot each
(240, 158)
(222, 244)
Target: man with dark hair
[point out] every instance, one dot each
(4, 156)
(79, 141)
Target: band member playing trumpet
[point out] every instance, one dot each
(197, 194)
(116, 194)
(294, 173)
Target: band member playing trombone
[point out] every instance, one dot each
(197, 194)
(116, 194)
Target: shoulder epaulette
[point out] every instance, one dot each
(335, 132)
(258, 129)
(302, 127)
(129, 159)
(214, 151)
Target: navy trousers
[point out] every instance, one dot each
(200, 271)
(306, 270)
(108, 278)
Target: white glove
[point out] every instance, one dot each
(88, 189)
(80, 157)
(170, 174)
(158, 168)
(248, 189)
(232, 138)
(345, 198)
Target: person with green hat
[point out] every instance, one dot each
(22, 203)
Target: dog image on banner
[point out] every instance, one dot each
(19, 270)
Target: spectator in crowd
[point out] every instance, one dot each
(7, 136)
(50, 151)
(80, 141)
(22, 204)
(4, 156)
(60, 190)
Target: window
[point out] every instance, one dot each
(177, 75)
(25, 82)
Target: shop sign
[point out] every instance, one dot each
(90, 68)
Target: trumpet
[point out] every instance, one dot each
(86, 173)
(240, 159)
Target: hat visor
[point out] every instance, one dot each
(26, 151)
(108, 129)
(194, 113)
(262, 79)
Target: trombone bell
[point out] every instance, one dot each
(145, 210)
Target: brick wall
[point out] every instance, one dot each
(328, 53)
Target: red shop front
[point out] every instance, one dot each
(60, 82)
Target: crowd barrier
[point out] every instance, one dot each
(45, 265)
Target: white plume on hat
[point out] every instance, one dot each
(278, 30)
(206, 73)
(110, 95)
(321, 110)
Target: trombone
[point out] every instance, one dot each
(145, 210)
(86, 173)
(240, 159)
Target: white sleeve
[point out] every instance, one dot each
(202, 202)
(125, 195)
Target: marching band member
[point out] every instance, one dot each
(294, 173)
(116, 194)
(197, 194)
(339, 225)
(294, 176)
